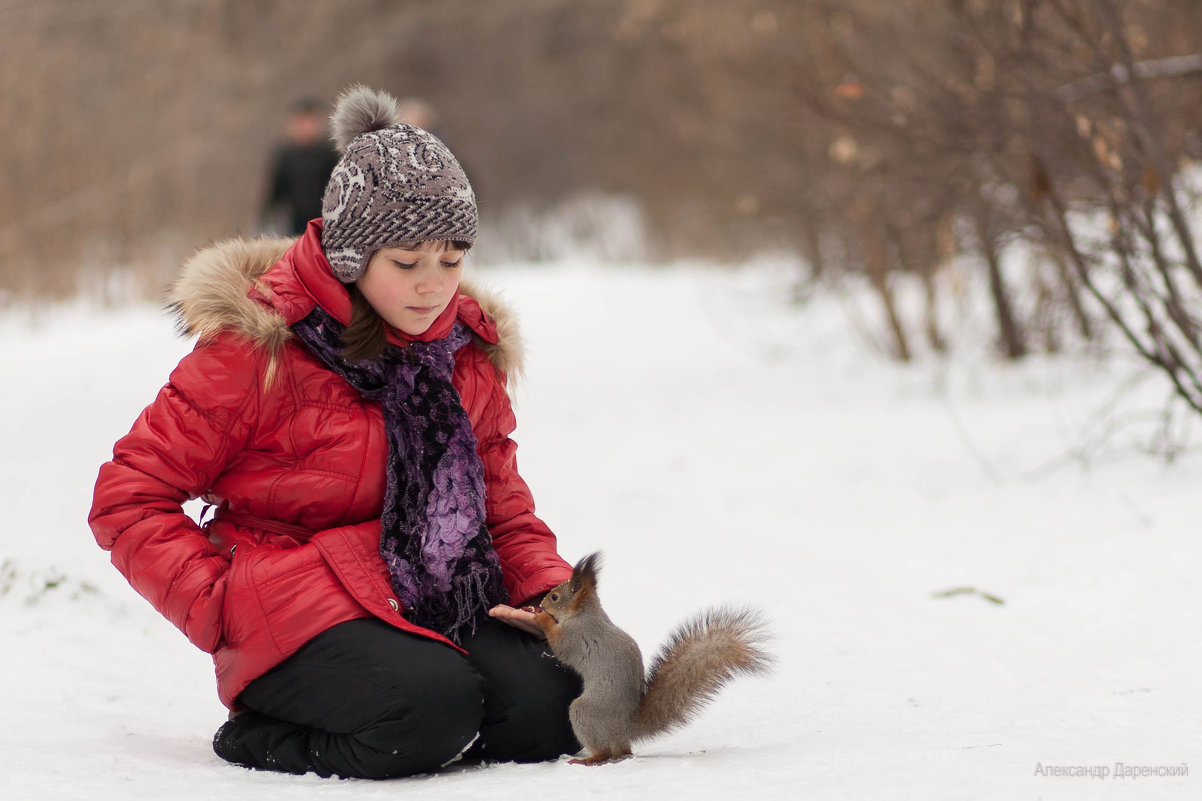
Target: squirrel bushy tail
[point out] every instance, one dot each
(700, 656)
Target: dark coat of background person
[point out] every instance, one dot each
(300, 169)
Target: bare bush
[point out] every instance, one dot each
(1065, 124)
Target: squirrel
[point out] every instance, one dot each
(619, 704)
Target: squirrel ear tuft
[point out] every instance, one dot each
(361, 110)
(586, 568)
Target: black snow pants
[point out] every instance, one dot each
(366, 700)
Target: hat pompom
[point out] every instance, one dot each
(361, 110)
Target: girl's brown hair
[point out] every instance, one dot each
(366, 336)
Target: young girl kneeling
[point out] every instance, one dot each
(345, 411)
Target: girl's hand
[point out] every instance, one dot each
(518, 618)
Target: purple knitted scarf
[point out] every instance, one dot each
(434, 540)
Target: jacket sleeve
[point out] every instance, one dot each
(176, 449)
(524, 543)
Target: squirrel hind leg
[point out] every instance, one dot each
(603, 756)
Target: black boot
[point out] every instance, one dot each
(257, 741)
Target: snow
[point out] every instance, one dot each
(720, 446)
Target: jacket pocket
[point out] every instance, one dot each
(241, 613)
(293, 595)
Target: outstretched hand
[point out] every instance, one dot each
(518, 618)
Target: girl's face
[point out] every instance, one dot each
(409, 286)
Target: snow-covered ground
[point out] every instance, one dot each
(720, 446)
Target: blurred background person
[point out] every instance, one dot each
(418, 112)
(300, 168)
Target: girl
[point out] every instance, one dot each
(345, 412)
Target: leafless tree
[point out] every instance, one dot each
(884, 138)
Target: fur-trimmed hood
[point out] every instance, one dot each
(216, 291)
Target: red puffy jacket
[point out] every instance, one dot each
(294, 460)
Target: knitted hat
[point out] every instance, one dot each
(394, 183)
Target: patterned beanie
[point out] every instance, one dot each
(394, 183)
